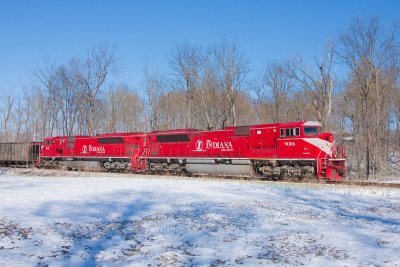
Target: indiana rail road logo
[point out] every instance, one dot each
(199, 145)
(218, 145)
(96, 149)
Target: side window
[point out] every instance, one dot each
(290, 132)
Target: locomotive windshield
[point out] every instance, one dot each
(311, 130)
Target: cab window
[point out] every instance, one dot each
(282, 132)
(290, 132)
(311, 130)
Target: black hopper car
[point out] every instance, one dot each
(19, 154)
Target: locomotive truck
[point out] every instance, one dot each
(273, 151)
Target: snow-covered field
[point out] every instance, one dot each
(70, 219)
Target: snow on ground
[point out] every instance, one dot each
(108, 219)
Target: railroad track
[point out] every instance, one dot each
(305, 181)
(371, 184)
(302, 181)
(348, 183)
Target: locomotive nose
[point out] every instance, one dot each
(327, 137)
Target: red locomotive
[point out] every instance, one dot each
(295, 149)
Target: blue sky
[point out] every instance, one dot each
(145, 31)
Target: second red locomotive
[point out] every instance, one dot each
(296, 149)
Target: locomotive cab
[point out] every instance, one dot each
(53, 148)
(303, 149)
(54, 145)
(46, 150)
(47, 144)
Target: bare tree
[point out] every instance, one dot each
(44, 76)
(279, 77)
(246, 114)
(185, 64)
(124, 110)
(6, 109)
(155, 86)
(319, 83)
(172, 113)
(39, 114)
(91, 75)
(370, 53)
(61, 92)
(232, 72)
(207, 83)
